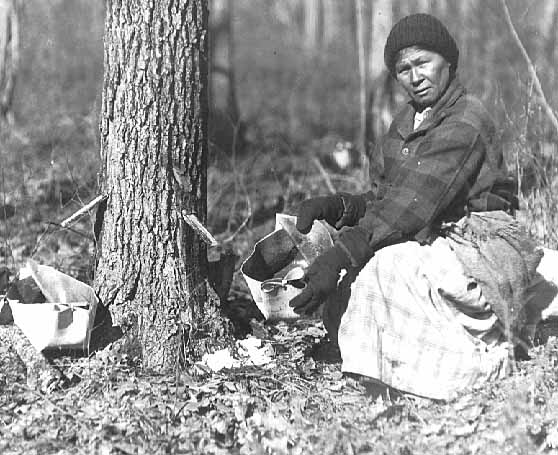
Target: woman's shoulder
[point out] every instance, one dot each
(470, 110)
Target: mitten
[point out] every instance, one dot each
(339, 210)
(321, 279)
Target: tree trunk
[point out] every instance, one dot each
(439, 9)
(551, 53)
(332, 21)
(226, 132)
(423, 6)
(152, 268)
(382, 21)
(465, 30)
(9, 56)
(381, 93)
(312, 25)
(362, 50)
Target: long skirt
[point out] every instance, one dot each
(415, 321)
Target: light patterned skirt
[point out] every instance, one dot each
(414, 321)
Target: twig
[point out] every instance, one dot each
(242, 225)
(325, 175)
(75, 231)
(240, 182)
(530, 65)
(82, 211)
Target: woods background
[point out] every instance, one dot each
(287, 101)
(285, 91)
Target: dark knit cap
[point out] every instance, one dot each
(420, 30)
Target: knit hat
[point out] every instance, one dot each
(420, 30)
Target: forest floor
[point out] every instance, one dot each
(296, 402)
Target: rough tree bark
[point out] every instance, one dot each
(9, 56)
(152, 268)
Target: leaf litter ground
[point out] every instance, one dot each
(299, 403)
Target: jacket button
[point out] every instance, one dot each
(405, 151)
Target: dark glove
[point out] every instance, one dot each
(321, 279)
(339, 210)
(354, 208)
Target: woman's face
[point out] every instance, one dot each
(423, 74)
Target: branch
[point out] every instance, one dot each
(327, 180)
(532, 70)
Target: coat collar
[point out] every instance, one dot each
(405, 120)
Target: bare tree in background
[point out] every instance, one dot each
(381, 23)
(9, 56)
(226, 130)
(381, 101)
(312, 15)
(549, 29)
(152, 268)
(440, 8)
(362, 33)
(332, 20)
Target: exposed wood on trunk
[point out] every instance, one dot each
(152, 269)
(9, 57)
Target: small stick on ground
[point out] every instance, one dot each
(37, 365)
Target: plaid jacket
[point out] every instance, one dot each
(420, 178)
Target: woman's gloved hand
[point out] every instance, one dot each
(321, 279)
(341, 209)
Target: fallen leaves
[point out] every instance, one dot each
(302, 404)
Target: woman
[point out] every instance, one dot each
(438, 269)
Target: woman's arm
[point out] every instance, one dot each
(445, 164)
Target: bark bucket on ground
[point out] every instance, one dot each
(273, 270)
(65, 320)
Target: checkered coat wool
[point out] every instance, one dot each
(420, 178)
